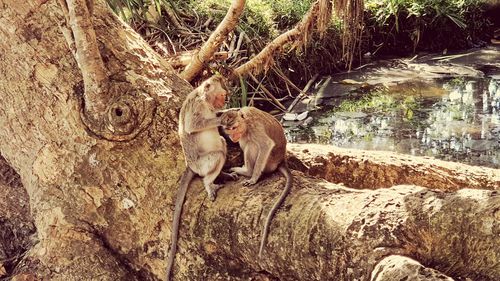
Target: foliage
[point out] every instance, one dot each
(409, 25)
(391, 26)
(381, 101)
(130, 10)
(261, 17)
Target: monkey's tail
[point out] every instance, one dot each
(283, 168)
(186, 178)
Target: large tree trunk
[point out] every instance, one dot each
(102, 208)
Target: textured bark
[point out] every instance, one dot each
(403, 268)
(326, 232)
(79, 19)
(102, 208)
(16, 224)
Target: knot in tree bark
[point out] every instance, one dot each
(127, 113)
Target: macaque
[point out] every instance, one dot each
(262, 139)
(204, 149)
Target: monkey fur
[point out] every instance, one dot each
(262, 139)
(204, 149)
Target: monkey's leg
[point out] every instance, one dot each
(210, 165)
(265, 148)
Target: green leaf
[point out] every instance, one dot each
(243, 92)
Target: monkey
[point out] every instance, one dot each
(204, 149)
(262, 139)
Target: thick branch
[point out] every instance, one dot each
(88, 56)
(182, 59)
(319, 14)
(328, 232)
(375, 169)
(215, 40)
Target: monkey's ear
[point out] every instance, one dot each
(241, 114)
(206, 87)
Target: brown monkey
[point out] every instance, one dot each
(204, 149)
(262, 139)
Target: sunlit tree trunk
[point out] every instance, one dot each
(101, 207)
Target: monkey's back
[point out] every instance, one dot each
(273, 129)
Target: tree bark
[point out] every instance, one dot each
(102, 207)
(16, 224)
(377, 169)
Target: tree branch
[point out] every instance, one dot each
(214, 41)
(319, 14)
(113, 110)
(88, 55)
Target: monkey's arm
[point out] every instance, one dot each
(200, 123)
(246, 170)
(265, 145)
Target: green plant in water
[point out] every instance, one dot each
(409, 106)
(383, 102)
(378, 101)
(368, 137)
(457, 82)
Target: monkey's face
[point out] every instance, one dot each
(233, 124)
(220, 99)
(215, 93)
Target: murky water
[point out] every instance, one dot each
(455, 119)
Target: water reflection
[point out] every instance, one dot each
(463, 124)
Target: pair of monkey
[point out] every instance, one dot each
(260, 135)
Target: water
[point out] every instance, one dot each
(455, 119)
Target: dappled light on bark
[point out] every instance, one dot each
(110, 109)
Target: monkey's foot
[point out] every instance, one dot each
(228, 176)
(249, 182)
(235, 176)
(212, 191)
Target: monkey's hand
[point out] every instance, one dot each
(234, 176)
(249, 182)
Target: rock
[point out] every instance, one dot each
(403, 268)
